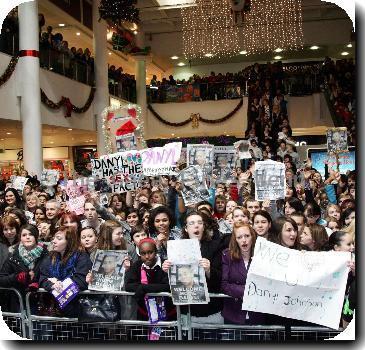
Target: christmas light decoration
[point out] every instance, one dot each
(117, 11)
(210, 28)
(272, 24)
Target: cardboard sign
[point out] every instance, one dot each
(302, 285)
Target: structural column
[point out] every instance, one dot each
(101, 99)
(140, 68)
(28, 79)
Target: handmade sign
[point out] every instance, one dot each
(76, 204)
(242, 148)
(201, 155)
(224, 163)
(194, 187)
(19, 182)
(302, 285)
(108, 270)
(49, 177)
(117, 163)
(120, 183)
(69, 291)
(269, 180)
(161, 160)
(187, 279)
(337, 140)
(122, 128)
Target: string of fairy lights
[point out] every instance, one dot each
(209, 30)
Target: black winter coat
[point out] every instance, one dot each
(8, 278)
(158, 281)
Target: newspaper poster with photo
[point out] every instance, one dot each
(49, 177)
(337, 140)
(224, 163)
(126, 142)
(301, 285)
(187, 279)
(194, 187)
(183, 158)
(269, 180)
(224, 227)
(161, 160)
(108, 271)
(242, 148)
(19, 182)
(201, 155)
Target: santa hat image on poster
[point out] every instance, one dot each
(124, 137)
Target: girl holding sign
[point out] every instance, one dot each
(235, 264)
(195, 228)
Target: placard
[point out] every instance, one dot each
(224, 163)
(337, 140)
(161, 160)
(194, 187)
(269, 180)
(49, 177)
(19, 182)
(187, 279)
(108, 271)
(201, 155)
(302, 285)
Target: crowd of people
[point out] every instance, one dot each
(43, 242)
(122, 84)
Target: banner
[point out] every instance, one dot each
(117, 163)
(302, 285)
(108, 271)
(187, 279)
(194, 187)
(269, 180)
(224, 163)
(161, 160)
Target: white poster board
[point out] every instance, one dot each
(187, 279)
(269, 180)
(161, 160)
(19, 183)
(302, 285)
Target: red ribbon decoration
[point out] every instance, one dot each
(31, 53)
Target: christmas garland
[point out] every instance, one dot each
(65, 101)
(9, 70)
(191, 119)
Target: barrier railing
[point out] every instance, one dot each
(16, 321)
(62, 328)
(49, 328)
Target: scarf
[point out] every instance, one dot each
(30, 256)
(62, 271)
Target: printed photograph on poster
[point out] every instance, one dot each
(181, 163)
(242, 148)
(194, 187)
(224, 163)
(337, 140)
(224, 227)
(108, 271)
(269, 180)
(201, 155)
(18, 183)
(188, 284)
(126, 142)
(49, 177)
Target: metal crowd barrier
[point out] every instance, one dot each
(67, 329)
(48, 328)
(16, 321)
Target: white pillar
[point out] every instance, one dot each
(141, 87)
(101, 99)
(30, 105)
